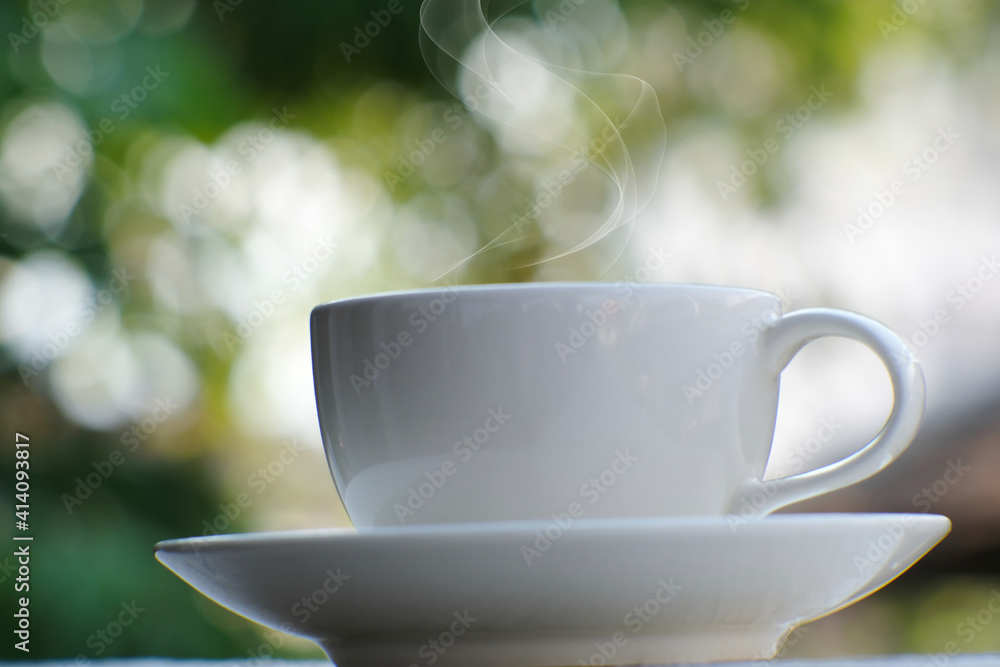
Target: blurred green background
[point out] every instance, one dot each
(154, 297)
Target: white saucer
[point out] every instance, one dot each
(596, 592)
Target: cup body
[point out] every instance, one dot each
(544, 401)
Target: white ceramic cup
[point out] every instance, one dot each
(569, 400)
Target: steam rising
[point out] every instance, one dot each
(528, 82)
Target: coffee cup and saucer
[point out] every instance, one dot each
(567, 473)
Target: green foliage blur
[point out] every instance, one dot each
(230, 63)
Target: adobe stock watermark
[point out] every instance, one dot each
(931, 494)
(703, 40)
(22, 617)
(454, 117)
(420, 321)
(900, 15)
(723, 359)
(913, 169)
(104, 637)
(435, 647)
(310, 604)
(293, 278)
(876, 550)
(591, 491)
(593, 320)
(258, 481)
(122, 107)
(363, 35)
(752, 505)
(46, 13)
(956, 299)
(923, 501)
(464, 450)
(974, 624)
(634, 622)
(764, 659)
(803, 452)
(561, 14)
(786, 127)
(85, 313)
(273, 639)
(163, 409)
(581, 158)
(333, 582)
(967, 630)
(248, 149)
(7, 568)
(223, 7)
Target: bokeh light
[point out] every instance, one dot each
(160, 258)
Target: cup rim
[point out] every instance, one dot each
(540, 286)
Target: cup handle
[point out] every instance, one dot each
(782, 341)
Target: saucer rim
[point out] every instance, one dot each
(347, 646)
(609, 525)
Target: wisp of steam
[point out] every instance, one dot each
(588, 120)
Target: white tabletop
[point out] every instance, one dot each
(914, 660)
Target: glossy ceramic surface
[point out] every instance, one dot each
(547, 593)
(517, 402)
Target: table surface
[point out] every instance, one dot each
(918, 660)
